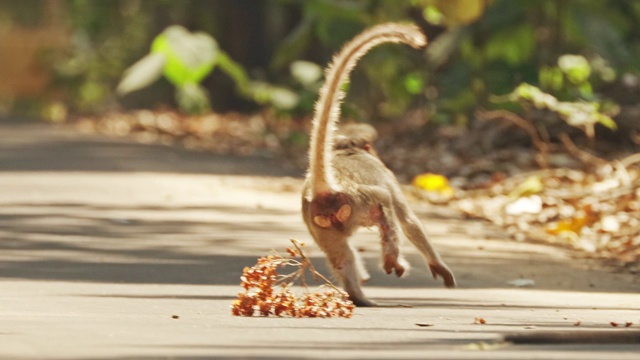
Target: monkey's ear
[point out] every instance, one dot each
(322, 221)
(344, 213)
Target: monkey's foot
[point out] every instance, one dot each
(363, 302)
(394, 263)
(446, 274)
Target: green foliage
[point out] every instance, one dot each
(580, 114)
(515, 42)
(514, 46)
(477, 48)
(575, 67)
(414, 83)
(189, 57)
(329, 21)
(306, 72)
(99, 51)
(575, 76)
(570, 79)
(185, 59)
(192, 98)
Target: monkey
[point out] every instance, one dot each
(347, 186)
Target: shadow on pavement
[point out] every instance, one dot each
(58, 242)
(205, 244)
(86, 243)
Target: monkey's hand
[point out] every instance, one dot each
(442, 270)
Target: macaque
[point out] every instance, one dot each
(347, 186)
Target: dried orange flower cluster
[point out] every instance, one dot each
(268, 293)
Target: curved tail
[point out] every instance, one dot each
(327, 110)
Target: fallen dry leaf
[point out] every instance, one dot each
(479, 320)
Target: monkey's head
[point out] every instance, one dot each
(331, 210)
(354, 136)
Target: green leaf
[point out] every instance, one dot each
(584, 114)
(578, 114)
(280, 97)
(551, 78)
(142, 73)
(283, 98)
(193, 99)
(586, 91)
(607, 121)
(433, 15)
(190, 57)
(413, 83)
(575, 67)
(306, 72)
(534, 95)
(236, 72)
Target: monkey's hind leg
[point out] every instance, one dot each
(347, 266)
(392, 261)
(384, 216)
(414, 231)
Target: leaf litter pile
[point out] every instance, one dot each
(231, 133)
(596, 211)
(577, 200)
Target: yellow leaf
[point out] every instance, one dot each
(532, 185)
(432, 182)
(573, 225)
(434, 188)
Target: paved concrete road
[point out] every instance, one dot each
(113, 250)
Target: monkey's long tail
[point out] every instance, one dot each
(327, 110)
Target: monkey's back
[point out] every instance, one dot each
(357, 166)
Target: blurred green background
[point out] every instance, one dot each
(64, 58)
